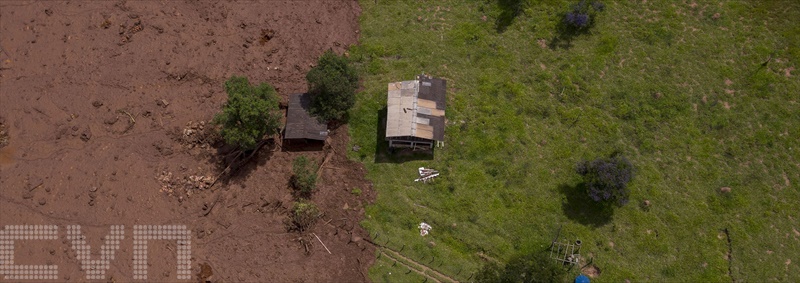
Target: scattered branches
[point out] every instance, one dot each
(323, 244)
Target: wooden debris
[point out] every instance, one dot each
(323, 244)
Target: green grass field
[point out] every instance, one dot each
(678, 88)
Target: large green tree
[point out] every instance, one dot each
(332, 84)
(250, 113)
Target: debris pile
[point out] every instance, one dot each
(167, 184)
(190, 183)
(426, 174)
(198, 134)
(199, 182)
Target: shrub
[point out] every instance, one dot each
(250, 113)
(304, 179)
(582, 15)
(607, 178)
(304, 214)
(534, 267)
(332, 84)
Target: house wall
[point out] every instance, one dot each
(410, 142)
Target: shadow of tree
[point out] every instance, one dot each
(384, 154)
(566, 33)
(509, 10)
(241, 163)
(302, 145)
(579, 207)
(242, 169)
(528, 267)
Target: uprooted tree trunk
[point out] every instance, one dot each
(241, 158)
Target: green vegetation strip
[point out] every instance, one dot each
(698, 96)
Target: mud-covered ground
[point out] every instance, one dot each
(101, 104)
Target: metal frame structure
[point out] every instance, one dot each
(564, 251)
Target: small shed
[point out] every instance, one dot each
(415, 113)
(300, 125)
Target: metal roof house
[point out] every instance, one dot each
(415, 113)
(299, 123)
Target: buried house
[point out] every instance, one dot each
(300, 125)
(415, 113)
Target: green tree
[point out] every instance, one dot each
(304, 180)
(534, 267)
(250, 113)
(332, 84)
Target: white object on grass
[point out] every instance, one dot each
(424, 229)
(426, 174)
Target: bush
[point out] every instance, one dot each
(534, 267)
(582, 15)
(250, 113)
(304, 214)
(332, 85)
(304, 179)
(607, 178)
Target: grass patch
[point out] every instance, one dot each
(679, 89)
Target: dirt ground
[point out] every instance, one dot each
(101, 102)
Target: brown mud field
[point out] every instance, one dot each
(104, 106)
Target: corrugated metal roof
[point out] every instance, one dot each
(400, 105)
(299, 123)
(416, 108)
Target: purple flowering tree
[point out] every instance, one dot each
(582, 14)
(606, 179)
